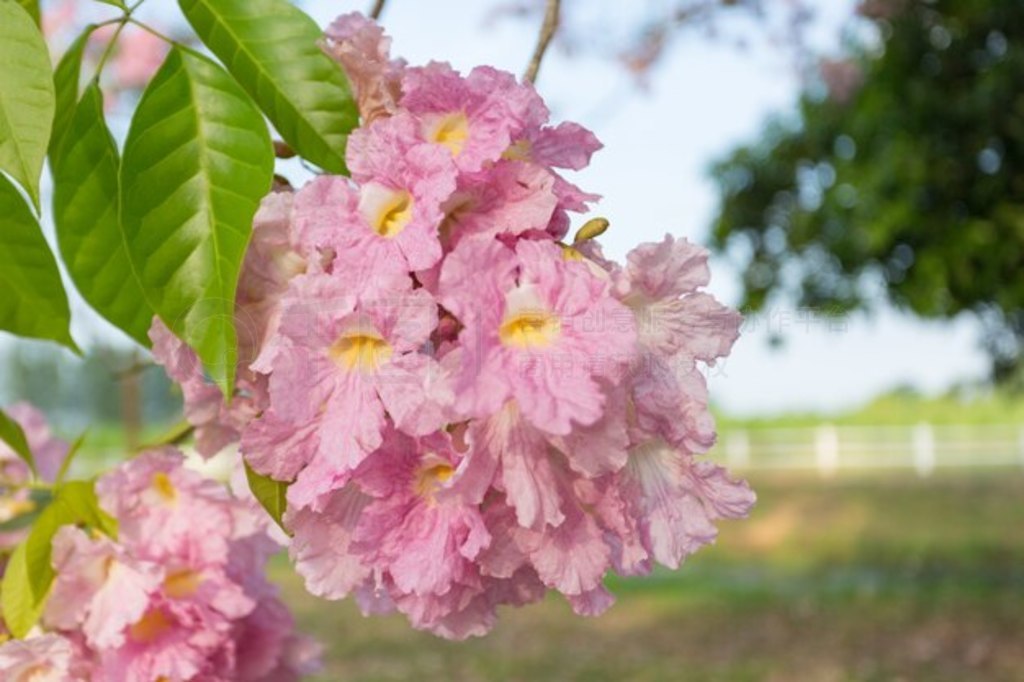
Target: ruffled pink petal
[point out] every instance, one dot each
(362, 48)
(415, 393)
(567, 145)
(509, 198)
(674, 521)
(278, 447)
(496, 107)
(669, 268)
(45, 658)
(591, 603)
(572, 557)
(321, 544)
(723, 496)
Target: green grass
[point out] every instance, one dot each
(856, 579)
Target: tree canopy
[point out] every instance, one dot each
(904, 167)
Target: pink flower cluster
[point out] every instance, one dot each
(469, 411)
(179, 595)
(48, 452)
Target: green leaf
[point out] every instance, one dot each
(271, 494)
(80, 499)
(197, 161)
(26, 97)
(32, 7)
(85, 207)
(65, 465)
(75, 503)
(271, 48)
(25, 592)
(65, 84)
(33, 302)
(12, 434)
(39, 548)
(21, 609)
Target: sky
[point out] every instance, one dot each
(705, 98)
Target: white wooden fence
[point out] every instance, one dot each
(831, 449)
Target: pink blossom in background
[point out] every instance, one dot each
(134, 60)
(469, 412)
(43, 658)
(179, 595)
(48, 453)
(138, 57)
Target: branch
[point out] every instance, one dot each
(547, 32)
(378, 7)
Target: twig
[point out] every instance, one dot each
(121, 21)
(547, 32)
(378, 7)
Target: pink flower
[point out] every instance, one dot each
(164, 510)
(347, 364)
(510, 198)
(217, 424)
(677, 500)
(139, 56)
(362, 48)
(275, 256)
(402, 184)
(46, 658)
(99, 588)
(47, 450)
(267, 648)
(327, 221)
(322, 540)
(567, 145)
(538, 329)
(474, 117)
(48, 453)
(426, 544)
(678, 326)
(660, 284)
(180, 595)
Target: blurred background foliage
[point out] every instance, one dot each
(903, 171)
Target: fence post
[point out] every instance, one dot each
(826, 450)
(737, 449)
(924, 449)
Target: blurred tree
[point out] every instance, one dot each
(76, 392)
(905, 168)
